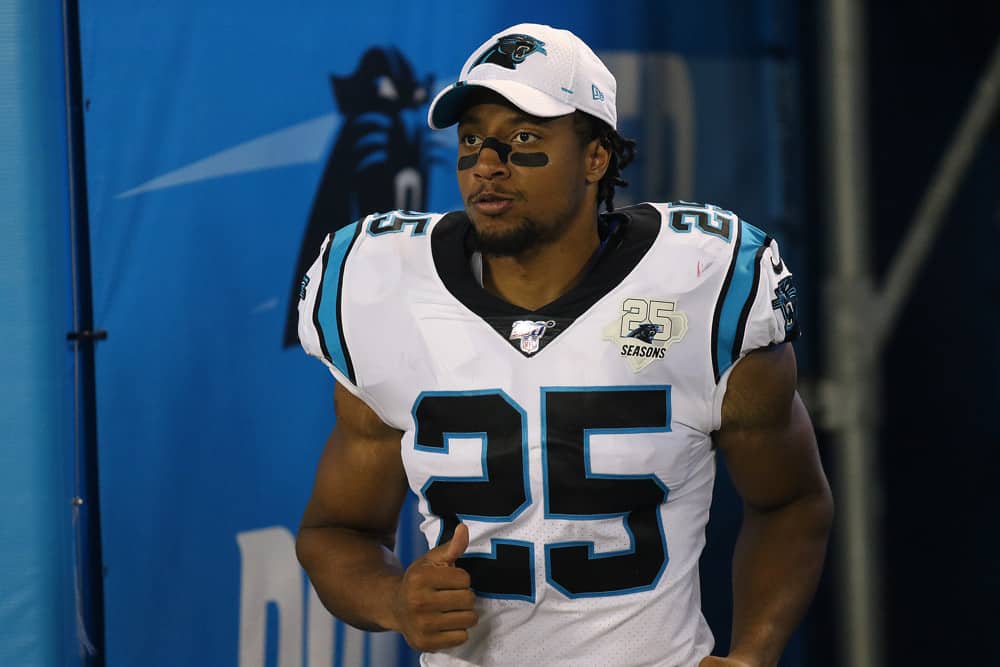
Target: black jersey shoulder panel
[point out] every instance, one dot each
(627, 235)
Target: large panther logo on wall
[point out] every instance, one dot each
(379, 161)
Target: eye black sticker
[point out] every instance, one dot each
(468, 161)
(530, 159)
(504, 151)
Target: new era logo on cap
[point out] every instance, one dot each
(543, 71)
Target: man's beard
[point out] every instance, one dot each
(518, 238)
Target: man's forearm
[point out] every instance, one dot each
(355, 576)
(776, 567)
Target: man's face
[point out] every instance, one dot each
(527, 197)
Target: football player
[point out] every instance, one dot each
(553, 383)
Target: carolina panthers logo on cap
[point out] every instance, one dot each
(510, 51)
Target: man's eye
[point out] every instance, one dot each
(524, 137)
(471, 140)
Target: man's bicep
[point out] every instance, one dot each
(360, 483)
(767, 437)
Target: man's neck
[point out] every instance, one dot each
(544, 274)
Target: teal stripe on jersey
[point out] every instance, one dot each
(738, 298)
(328, 320)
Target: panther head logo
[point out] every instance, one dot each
(510, 51)
(787, 302)
(645, 332)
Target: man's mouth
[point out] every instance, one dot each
(491, 203)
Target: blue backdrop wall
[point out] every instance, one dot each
(36, 418)
(222, 142)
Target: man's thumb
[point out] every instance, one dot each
(451, 550)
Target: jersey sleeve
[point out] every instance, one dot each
(322, 308)
(773, 314)
(757, 307)
(758, 302)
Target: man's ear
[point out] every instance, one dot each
(598, 158)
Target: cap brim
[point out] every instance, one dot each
(448, 105)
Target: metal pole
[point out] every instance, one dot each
(85, 507)
(850, 354)
(930, 213)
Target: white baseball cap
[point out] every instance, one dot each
(541, 70)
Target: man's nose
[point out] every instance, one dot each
(489, 164)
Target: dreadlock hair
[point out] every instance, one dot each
(622, 151)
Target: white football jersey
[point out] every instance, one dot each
(573, 441)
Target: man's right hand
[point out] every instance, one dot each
(435, 602)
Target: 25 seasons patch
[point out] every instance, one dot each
(645, 330)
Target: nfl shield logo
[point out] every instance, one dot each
(530, 332)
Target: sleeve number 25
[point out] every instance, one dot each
(570, 416)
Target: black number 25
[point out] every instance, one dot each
(569, 416)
